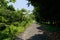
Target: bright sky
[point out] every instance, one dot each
(19, 4)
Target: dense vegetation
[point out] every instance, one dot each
(46, 11)
(12, 21)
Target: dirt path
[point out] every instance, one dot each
(30, 32)
(36, 32)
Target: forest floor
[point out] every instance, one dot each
(36, 32)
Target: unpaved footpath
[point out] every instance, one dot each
(37, 32)
(32, 33)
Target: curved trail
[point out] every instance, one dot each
(38, 32)
(32, 33)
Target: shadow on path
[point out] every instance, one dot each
(39, 37)
(43, 32)
(49, 34)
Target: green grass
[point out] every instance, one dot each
(52, 29)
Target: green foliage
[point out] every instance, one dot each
(12, 1)
(23, 10)
(12, 21)
(2, 26)
(46, 11)
(10, 7)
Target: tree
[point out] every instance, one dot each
(46, 10)
(5, 13)
(10, 7)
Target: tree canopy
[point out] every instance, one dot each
(46, 10)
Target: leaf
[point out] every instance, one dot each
(12, 1)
